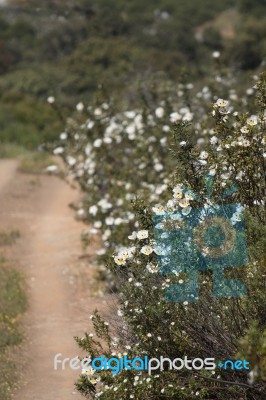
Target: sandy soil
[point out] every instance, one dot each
(48, 254)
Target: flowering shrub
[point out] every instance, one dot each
(117, 156)
(104, 154)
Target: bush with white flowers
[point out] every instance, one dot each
(114, 158)
(118, 156)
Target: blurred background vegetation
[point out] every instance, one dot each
(66, 49)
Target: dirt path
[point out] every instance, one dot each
(47, 253)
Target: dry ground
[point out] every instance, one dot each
(48, 254)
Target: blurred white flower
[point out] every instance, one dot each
(81, 212)
(63, 136)
(71, 160)
(166, 128)
(50, 99)
(98, 112)
(159, 112)
(80, 106)
(158, 167)
(97, 143)
(90, 124)
(93, 210)
(58, 150)
(216, 54)
(175, 117)
(52, 168)
(249, 91)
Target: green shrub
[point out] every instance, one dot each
(230, 147)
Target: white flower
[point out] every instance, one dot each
(184, 203)
(222, 103)
(166, 128)
(178, 192)
(158, 209)
(186, 210)
(225, 175)
(183, 143)
(130, 130)
(204, 155)
(178, 188)
(188, 116)
(158, 167)
(216, 54)
(175, 117)
(149, 334)
(71, 160)
(90, 124)
(143, 234)
(133, 236)
(152, 268)
(189, 196)
(118, 221)
(171, 204)
(63, 136)
(93, 210)
(244, 129)
(124, 254)
(58, 150)
(147, 250)
(213, 140)
(236, 217)
(119, 260)
(97, 112)
(81, 212)
(109, 221)
(159, 112)
(80, 106)
(252, 120)
(249, 91)
(52, 168)
(130, 114)
(97, 143)
(50, 99)
(89, 372)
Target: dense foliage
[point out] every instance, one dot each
(159, 156)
